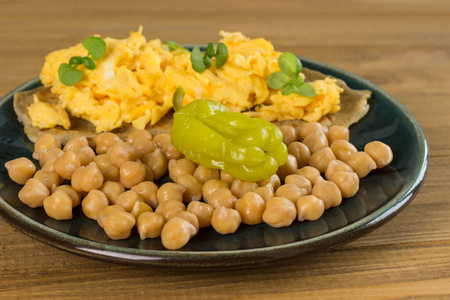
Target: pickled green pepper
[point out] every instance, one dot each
(206, 132)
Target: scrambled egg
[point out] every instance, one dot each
(135, 79)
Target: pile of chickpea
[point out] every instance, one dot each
(113, 180)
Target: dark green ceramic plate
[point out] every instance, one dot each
(382, 195)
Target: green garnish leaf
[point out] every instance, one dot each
(88, 63)
(304, 89)
(75, 61)
(289, 79)
(174, 46)
(207, 62)
(201, 63)
(95, 46)
(197, 60)
(68, 74)
(221, 55)
(277, 80)
(209, 52)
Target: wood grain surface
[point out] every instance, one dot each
(401, 45)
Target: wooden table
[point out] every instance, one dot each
(402, 46)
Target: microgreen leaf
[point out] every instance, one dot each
(75, 61)
(174, 46)
(304, 89)
(68, 74)
(88, 63)
(277, 80)
(201, 63)
(289, 79)
(288, 64)
(221, 55)
(95, 46)
(197, 60)
(209, 52)
(207, 62)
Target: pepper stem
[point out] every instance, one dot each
(177, 99)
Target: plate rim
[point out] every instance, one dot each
(231, 258)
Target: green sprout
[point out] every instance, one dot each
(68, 72)
(289, 79)
(202, 62)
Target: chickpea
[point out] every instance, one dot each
(148, 173)
(74, 195)
(48, 166)
(116, 223)
(87, 178)
(139, 208)
(132, 173)
(170, 191)
(149, 225)
(336, 165)
(266, 192)
(178, 167)
(225, 220)
(224, 176)
(309, 173)
(20, 169)
(49, 178)
(169, 208)
(251, 208)
(112, 173)
(45, 141)
(33, 193)
(128, 199)
(309, 128)
(203, 211)
(342, 149)
(212, 185)
(361, 163)
(66, 165)
(310, 208)
(176, 233)
(122, 152)
(102, 161)
(49, 154)
(288, 168)
(107, 210)
(321, 159)
(190, 217)
(112, 190)
(76, 143)
(143, 146)
(348, 182)
(58, 206)
(289, 134)
(86, 155)
(380, 153)
(273, 180)
(337, 132)
(316, 141)
(147, 190)
(139, 134)
(161, 138)
(171, 152)
(328, 192)
(193, 187)
(204, 174)
(104, 141)
(290, 191)
(301, 153)
(222, 197)
(279, 212)
(157, 163)
(300, 181)
(93, 203)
